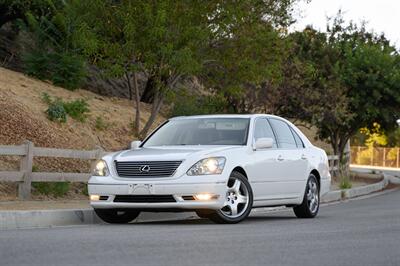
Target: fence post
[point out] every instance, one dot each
(384, 157)
(372, 156)
(24, 188)
(398, 157)
(99, 152)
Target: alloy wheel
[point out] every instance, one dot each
(236, 200)
(312, 196)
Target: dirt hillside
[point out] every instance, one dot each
(22, 117)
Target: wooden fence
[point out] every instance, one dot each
(333, 164)
(25, 176)
(27, 151)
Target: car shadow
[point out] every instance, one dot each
(197, 221)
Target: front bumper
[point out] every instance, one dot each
(178, 188)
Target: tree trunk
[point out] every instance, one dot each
(344, 159)
(339, 143)
(157, 103)
(128, 78)
(150, 90)
(137, 99)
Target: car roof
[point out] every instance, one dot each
(220, 116)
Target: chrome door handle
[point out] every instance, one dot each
(280, 158)
(303, 157)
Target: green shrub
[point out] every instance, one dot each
(345, 183)
(85, 190)
(35, 168)
(36, 64)
(58, 109)
(56, 189)
(46, 98)
(63, 69)
(101, 124)
(57, 112)
(69, 71)
(77, 109)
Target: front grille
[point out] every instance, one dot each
(144, 198)
(147, 168)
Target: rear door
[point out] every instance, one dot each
(293, 163)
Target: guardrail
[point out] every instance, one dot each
(28, 151)
(25, 176)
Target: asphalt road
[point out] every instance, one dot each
(361, 232)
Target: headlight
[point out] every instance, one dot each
(101, 169)
(208, 166)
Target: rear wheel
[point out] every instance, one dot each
(310, 206)
(238, 201)
(115, 216)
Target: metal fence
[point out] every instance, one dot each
(28, 151)
(376, 156)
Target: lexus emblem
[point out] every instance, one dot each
(144, 169)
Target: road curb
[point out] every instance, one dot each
(344, 194)
(332, 196)
(46, 218)
(50, 218)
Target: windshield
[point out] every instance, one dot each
(201, 131)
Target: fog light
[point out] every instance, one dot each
(205, 196)
(94, 197)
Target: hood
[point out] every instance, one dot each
(166, 153)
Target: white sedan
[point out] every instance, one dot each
(220, 166)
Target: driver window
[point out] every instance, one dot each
(263, 129)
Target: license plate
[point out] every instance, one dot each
(140, 189)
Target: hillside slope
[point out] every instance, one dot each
(22, 116)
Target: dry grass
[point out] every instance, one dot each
(22, 117)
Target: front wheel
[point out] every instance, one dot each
(115, 216)
(238, 201)
(310, 206)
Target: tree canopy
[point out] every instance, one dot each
(241, 52)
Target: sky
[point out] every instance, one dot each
(380, 15)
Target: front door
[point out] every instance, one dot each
(265, 167)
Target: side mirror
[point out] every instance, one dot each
(263, 143)
(135, 144)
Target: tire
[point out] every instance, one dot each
(310, 206)
(204, 213)
(238, 201)
(116, 216)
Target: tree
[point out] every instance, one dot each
(370, 72)
(11, 10)
(51, 53)
(160, 39)
(353, 82)
(246, 51)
